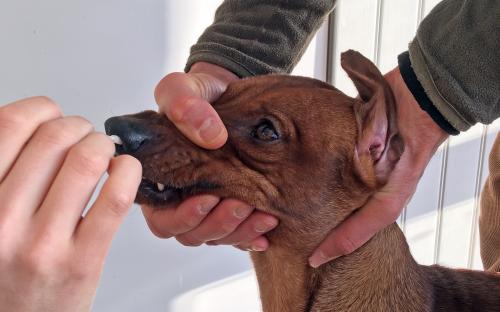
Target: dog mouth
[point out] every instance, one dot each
(162, 195)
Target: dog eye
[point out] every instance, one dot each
(265, 131)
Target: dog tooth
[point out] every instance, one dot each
(160, 186)
(116, 139)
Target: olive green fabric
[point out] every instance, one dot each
(455, 55)
(256, 37)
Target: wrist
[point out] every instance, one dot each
(417, 90)
(421, 134)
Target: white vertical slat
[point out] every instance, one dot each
(477, 193)
(378, 31)
(420, 10)
(459, 198)
(185, 21)
(355, 27)
(493, 129)
(429, 5)
(397, 30)
(421, 215)
(440, 203)
(314, 61)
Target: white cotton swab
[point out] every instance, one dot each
(116, 139)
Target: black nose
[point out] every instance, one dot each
(133, 133)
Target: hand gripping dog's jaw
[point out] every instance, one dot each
(270, 159)
(291, 147)
(379, 145)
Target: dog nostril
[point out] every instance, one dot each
(132, 133)
(134, 141)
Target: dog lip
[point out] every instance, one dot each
(160, 195)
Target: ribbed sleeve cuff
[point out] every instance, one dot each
(419, 94)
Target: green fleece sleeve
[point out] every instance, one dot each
(456, 58)
(255, 37)
(454, 54)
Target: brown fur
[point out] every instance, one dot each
(309, 180)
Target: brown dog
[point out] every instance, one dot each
(302, 150)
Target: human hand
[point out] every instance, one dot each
(421, 136)
(185, 99)
(50, 256)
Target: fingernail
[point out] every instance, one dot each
(210, 130)
(241, 212)
(318, 259)
(258, 248)
(265, 226)
(207, 206)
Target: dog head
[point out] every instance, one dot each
(297, 148)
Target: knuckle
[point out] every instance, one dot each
(87, 162)
(118, 203)
(12, 116)
(345, 246)
(157, 231)
(12, 120)
(47, 104)
(78, 271)
(103, 145)
(62, 131)
(243, 247)
(167, 84)
(188, 241)
(186, 222)
(130, 162)
(226, 229)
(38, 261)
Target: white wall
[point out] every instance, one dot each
(104, 58)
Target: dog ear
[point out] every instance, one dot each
(379, 145)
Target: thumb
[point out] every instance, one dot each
(356, 230)
(185, 97)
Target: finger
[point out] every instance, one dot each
(257, 224)
(26, 185)
(96, 231)
(222, 221)
(189, 214)
(18, 121)
(356, 230)
(73, 186)
(184, 98)
(261, 243)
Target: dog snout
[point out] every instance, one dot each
(134, 134)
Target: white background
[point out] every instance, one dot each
(104, 58)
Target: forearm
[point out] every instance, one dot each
(455, 59)
(254, 37)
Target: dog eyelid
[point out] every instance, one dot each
(265, 131)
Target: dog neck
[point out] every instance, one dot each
(361, 281)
